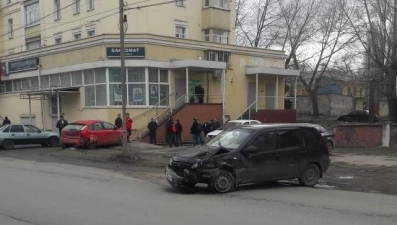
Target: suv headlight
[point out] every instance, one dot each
(196, 165)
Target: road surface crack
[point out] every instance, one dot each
(18, 219)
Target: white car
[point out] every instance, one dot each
(230, 124)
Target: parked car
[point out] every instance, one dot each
(230, 124)
(252, 154)
(357, 116)
(327, 135)
(90, 134)
(23, 134)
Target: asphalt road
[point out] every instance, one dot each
(50, 193)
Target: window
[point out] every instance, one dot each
(91, 4)
(180, 31)
(218, 56)
(10, 28)
(7, 130)
(95, 87)
(91, 33)
(17, 129)
(108, 126)
(158, 87)
(31, 129)
(58, 40)
(32, 14)
(77, 36)
(207, 35)
(312, 138)
(220, 36)
(180, 3)
(57, 9)
(136, 86)
(224, 4)
(289, 138)
(206, 3)
(265, 142)
(33, 43)
(8, 86)
(96, 126)
(76, 6)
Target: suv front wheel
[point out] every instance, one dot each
(223, 182)
(310, 175)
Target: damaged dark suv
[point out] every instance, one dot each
(252, 154)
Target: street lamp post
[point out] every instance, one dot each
(123, 78)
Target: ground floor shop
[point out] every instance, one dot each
(84, 81)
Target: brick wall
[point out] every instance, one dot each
(358, 135)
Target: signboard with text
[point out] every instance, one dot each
(137, 52)
(23, 65)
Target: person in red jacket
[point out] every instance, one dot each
(128, 121)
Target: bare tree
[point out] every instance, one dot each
(321, 28)
(258, 26)
(375, 23)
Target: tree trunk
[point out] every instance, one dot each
(371, 100)
(391, 95)
(313, 97)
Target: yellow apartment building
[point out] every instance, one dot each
(62, 58)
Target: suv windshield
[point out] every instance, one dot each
(231, 139)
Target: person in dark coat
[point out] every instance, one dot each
(61, 124)
(6, 121)
(152, 126)
(171, 132)
(118, 121)
(206, 128)
(195, 131)
(200, 94)
(179, 130)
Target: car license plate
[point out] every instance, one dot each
(168, 175)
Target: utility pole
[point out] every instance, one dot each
(123, 78)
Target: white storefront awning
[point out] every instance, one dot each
(271, 71)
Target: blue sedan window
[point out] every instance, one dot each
(17, 129)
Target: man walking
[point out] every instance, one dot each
(61, 124)
(152, 126)
(171, 132)
(118, 122)
(195, 131)
(179, 129)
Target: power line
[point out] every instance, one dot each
(21, 27)
(131, 8)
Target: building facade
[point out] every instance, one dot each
(62, 58)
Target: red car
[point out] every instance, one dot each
(90, 134)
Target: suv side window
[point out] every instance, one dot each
(96, 126)
(265, 141)
(312, 137)
(17, 129)
(289, 138)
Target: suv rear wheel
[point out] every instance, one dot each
(310, 175)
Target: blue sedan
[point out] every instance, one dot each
(20, 134)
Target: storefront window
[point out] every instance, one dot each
(89, 77)
(65, 80)
(164, 93)
(34, 82)
(136, 94)
(17, 85)
(114, 75)
(89, 95)
(26, 84)
(136, 75)
(9, 86)
(77, 78)
(158, 87)
(164, 76)
(100, 76)
(115, 94)
(45, 81)
(54, 81)
(100, 95)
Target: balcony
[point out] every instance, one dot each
(216, 18)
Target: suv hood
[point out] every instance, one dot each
(198, 153)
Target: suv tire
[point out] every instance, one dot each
(223, 182)
(310, 175)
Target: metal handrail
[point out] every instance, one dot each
(154, 107)
(245, 110)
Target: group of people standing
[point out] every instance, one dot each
(198, 131)
(119, 123)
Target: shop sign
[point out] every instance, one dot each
(137, 52)
(23, 65)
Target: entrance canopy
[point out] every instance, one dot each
(271, 71)
(195, 64)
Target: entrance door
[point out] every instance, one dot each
(54, 112)
(270, 95)
(180, 90)
(251, 94)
